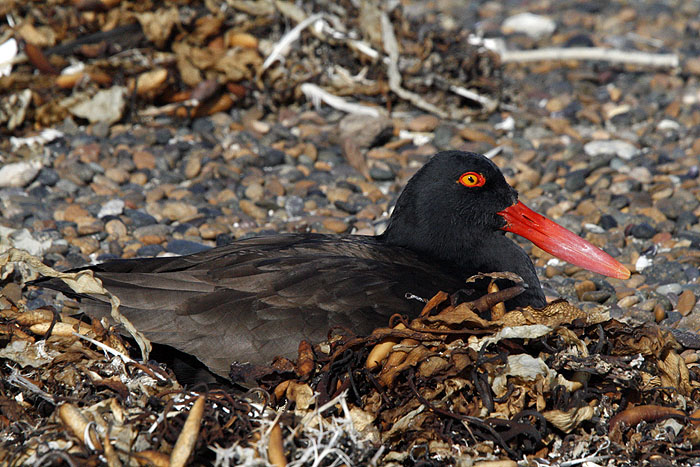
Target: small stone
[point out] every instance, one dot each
(364, 131)
(338, 194)
(583, 287)
(598, 296)
(209, 231)
(381, 173)
(115, 228)
(607, 222)
(179, 211)
(686, 302)
(151, 230)
(575, 180)
(535, 26)
(152, 239)
(254, 192)
(87, 245)
(113, 207)
(669, 289)
(117, 175)
(294, 205)
(19, 174)
(89, 225)
(423, 123)
(621, 149)
(148, 251)
(144, 160)
(74, 212)
(192, 167)
(471, 134)
(659, 313)
(551, 271)
(271, 157)
(185, 247)
(105, 106)
(642, 230)
(139, 178)
(252, 210)
(335, 225)
(628, 301)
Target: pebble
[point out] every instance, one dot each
(19, 174)
(686, 302)
(619, 148)
(179, 211)
(535, 26)
(74, 212)
(642, 230)
(595, 296)
(335, 225)
(106, 105)
(628, 301)
(144, 160)
(252, 210)
(184, 247)
(583, 287)
(113, 207)
(423, 123)
(116, 228)
(86, 245)
(666, 289)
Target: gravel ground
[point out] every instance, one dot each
(609, 151)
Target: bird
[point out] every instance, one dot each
(257, 298)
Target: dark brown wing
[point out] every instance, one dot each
(257, 298)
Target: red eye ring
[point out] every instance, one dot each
(471, 179)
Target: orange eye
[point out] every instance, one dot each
(472, 179)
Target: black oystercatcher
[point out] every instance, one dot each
(257, 298)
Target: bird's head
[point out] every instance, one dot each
(461, 200)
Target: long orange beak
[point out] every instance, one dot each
(560, 242)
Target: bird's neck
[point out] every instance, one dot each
(491, 252)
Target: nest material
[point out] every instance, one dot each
(461, 382)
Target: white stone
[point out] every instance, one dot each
(535, 26)
(113, 207)
(8, 51)
(19, 174)
(621, 149)
(642, 263)
(105, 106)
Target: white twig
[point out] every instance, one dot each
(105, 348)
(391, 47)
(315, 94)
(631, 57)
(282, 47)
(487, 102)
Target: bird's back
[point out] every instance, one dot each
(255, 298)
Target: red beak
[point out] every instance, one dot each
(560, 242)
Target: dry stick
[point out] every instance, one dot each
(188, 436)
(391, 47)
(630, 57)
(82, 282)
(275, 447)
(76, 422)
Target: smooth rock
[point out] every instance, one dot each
(113, 207)
(621, 149)
(535, 26)
(105, 106)
(686, 302)
(19, 174)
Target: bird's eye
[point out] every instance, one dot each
(472, 179)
